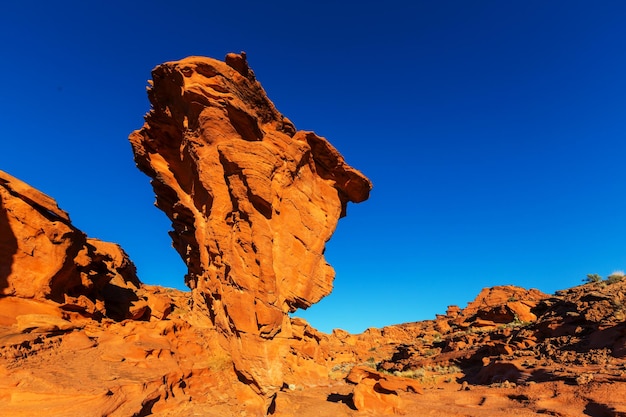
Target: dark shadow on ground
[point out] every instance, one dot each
(594, 409)
(342, 398)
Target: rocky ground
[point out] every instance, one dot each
(479, 361)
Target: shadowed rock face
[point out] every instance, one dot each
(252, 200)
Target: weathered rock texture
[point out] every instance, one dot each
(43, 256)
(252, 201)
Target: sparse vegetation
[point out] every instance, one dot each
(516, 323)
(428, 374)
(343, 367)
(219, 362)
(370, 363)
(443, 370)
(419, 373)
(616, 276)
(431, 352)
(593, 278)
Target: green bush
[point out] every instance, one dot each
(593, 278)
(615, 277)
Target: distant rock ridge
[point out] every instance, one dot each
(252, 202)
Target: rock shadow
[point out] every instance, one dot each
(346, 399)
(595, 409)
(118, 301)
(8, 248)
(474, 372)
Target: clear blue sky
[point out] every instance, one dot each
(493, 132)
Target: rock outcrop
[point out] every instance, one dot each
(43, 256)
(252, 202)
(80, 334)
(378, 392)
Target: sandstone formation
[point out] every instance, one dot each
(43, 256)
(252, 202)
(376, 391)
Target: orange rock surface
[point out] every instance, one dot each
(43, 256)
(252, 200)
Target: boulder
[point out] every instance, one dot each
(378, 392)
(502, 305)
(370, 396)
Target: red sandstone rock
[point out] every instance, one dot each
(252, 202)
(378, 392)
(370, 396)
(501, 305)
(43, 256)
(387, 381)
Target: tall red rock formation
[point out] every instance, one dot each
(252, 201)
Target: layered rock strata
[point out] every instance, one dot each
(252, 202)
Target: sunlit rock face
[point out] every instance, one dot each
(252, 201)
(44, 257)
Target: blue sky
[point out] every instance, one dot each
(493, 132)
